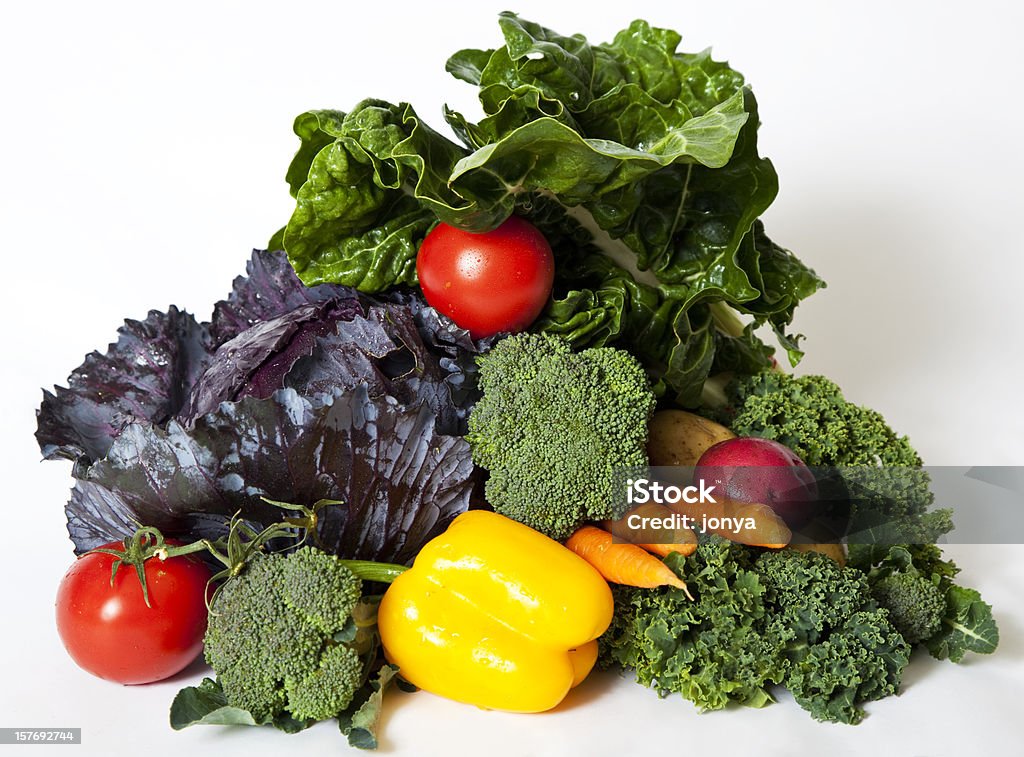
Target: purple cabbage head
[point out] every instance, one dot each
(292, 393)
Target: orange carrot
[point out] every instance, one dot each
(622, 563)
(664, 550)
(661, 541)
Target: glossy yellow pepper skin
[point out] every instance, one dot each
(495, 614)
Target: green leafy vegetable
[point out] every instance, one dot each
(639, 163)
(810, 416)
(967, 626)
(711, 651)
(360, 723)
(206, 704)
(916, 585)
(859, 662)
(786, 617)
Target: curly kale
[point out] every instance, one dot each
(811, 594)
(552, 427)
(890, 491)
(711, 651)
(759, 620)
(282, 638)
(860, 661)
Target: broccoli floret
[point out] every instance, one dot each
(328, 690)
(281, 636)
(552, 427)
(916, 584)
(891, 491)
(915, 604)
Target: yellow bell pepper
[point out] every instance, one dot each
(495, 614)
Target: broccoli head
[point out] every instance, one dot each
(552, 427)
(916, 604)
(282, 640)
(891, 492)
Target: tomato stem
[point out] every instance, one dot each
(236, 549)
(146, 543)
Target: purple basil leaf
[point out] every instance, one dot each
(271, 289)
(402, 481)
(145, 376)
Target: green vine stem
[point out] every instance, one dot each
(240, 545)
(368, 570)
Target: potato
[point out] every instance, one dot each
(680, 438)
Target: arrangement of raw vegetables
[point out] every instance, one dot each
(441, 361)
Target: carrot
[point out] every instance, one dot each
(664, 550)
(622, 563)
(660, 541)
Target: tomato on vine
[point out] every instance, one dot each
(130, 612)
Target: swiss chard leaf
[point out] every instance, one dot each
(353, 224)
(650, 152)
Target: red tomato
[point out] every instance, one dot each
(487, 283)
(110, 632)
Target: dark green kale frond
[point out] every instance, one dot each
(760, 619)
(916, 584)
(860, 662)
(712, 651)
(891, 493)
(812, 594)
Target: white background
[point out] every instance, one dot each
(143, 150)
